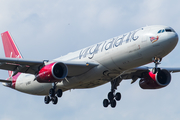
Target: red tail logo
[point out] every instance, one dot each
(10, 47)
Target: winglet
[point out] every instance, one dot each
(10, 48)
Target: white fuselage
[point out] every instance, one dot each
(114, 56)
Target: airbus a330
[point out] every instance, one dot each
(113, 60)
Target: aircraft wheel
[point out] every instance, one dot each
(46, 99)
(110, 96)
(118, 96)
(113, 103)
(52, 92)
(54, 100)
(105, 103)
(59, 93)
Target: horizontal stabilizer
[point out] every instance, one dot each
(5, 81)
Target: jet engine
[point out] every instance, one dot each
(155, 81)
(54, 72)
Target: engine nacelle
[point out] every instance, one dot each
(155, 81)
(54, 72)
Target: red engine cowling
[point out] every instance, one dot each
(155, 81)
(54, 72)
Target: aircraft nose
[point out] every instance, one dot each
(170, 40)
(174, 38)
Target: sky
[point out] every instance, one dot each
(44, 30)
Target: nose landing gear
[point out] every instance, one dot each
(157, 61)
(53, 95)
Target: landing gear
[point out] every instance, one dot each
(113, 103)
(46, 99)
(112, 96)
(105, 103)
(53, 95)
(157, 61)
(59, 93)
(54, 100)
(52, 92)
(118, 96)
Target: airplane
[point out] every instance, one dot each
(116, 59)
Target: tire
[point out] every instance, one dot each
(113, 103)
(46, 99)
(118, 96)
(59, 93)
(110, 96)
(52, 92)
(105, 103)
(54, 100)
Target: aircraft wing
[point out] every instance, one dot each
(32, 67)
(137, 72)
(170, 69)
(134, 74)
(24, 66)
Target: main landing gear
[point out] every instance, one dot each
(53, 95)
(112, 96)
(157, 61)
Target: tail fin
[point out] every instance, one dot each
(10, 48)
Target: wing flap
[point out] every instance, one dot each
(6, 66)
(20, 65)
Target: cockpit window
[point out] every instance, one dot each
(159, 31)
(168, 30)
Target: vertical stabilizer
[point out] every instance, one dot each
(10, 48)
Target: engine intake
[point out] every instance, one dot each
(155, 81)
(54, 72)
